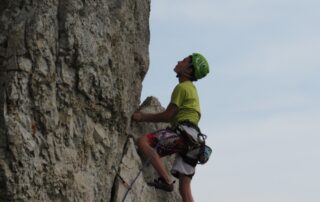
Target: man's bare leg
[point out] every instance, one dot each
(154, 157)
(185, 188)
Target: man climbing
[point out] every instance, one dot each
(184, 108)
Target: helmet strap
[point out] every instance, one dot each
(184, 73)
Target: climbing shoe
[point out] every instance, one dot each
(160, 183)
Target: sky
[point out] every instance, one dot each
(260, 102)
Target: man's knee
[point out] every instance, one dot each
(142, 142)
(183, 189)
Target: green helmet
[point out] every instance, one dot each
(200, 65)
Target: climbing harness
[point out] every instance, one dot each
(196, 144)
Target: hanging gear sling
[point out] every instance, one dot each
(195, 141)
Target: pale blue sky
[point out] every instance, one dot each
(261, 100)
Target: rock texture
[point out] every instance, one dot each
(70, 78)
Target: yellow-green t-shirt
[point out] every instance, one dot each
(185, 97)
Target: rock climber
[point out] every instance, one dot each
(184, 108)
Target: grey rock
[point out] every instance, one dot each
(71, 75)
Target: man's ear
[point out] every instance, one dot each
(190, 70)
(187, 72)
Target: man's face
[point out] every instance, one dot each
(183, 65)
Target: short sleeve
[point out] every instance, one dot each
(178, 95)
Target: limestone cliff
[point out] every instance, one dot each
(70, 78)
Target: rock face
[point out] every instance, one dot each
(70, 78)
